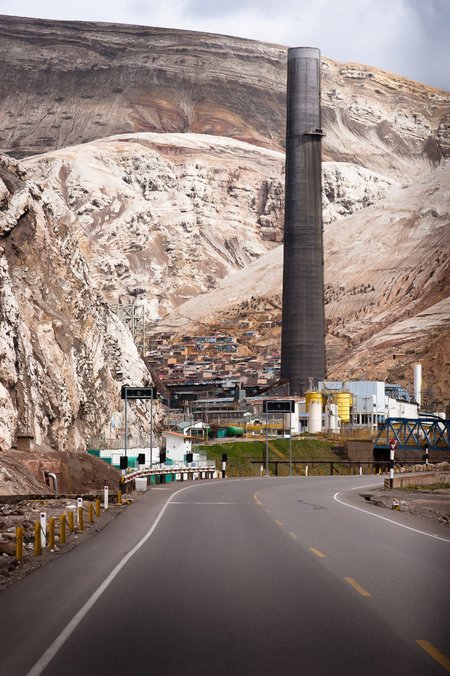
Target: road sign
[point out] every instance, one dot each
(138, 392)
(279, 406)
(393, 443)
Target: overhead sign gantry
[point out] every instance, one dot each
(278, 406)
(128, 392)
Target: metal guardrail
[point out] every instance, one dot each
(381, 464)
(176, 474)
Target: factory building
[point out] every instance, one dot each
(365, 403)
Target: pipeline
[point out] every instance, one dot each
(52, 475)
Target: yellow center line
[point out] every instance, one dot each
(317, 552)
(435, 654)
(294, 535)
(279, 523)
(357, 586)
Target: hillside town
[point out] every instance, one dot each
(245, 354)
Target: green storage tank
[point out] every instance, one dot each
(235, 431)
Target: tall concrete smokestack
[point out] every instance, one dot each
(303, 332)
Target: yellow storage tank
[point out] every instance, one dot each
(313, 396)
(344, 403)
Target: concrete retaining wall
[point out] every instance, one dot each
(419, 479)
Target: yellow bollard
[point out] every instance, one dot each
(62, 528)
(119, 497)
(51, 533)
(70, 520)
(19, 544)
(80, 519)
(37, 538)
(91, 512)
(97, 507)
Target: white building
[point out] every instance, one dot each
(197, 429)
(373, 401)
(177, 445)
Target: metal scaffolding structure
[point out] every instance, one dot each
(133, 316)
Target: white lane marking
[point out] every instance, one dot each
(174, 502)
(384, 518)
(68, 630)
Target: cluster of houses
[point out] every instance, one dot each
(214, 359)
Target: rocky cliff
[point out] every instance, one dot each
(63, 353)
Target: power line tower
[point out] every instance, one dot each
(133, 316)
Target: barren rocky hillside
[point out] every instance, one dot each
(152, 171)
(387, 288)
(63, 353)
(63, 83)
(163, 217)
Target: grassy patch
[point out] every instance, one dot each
(240, 454)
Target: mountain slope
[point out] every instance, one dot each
(84, 81)
(387, 287)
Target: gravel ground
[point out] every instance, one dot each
(434, 505)
(25, 513)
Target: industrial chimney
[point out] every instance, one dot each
(303, 332)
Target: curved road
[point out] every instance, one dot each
(240, 577)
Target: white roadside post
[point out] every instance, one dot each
(224, 464)
(105, 497)
(393, 444)
(79, 504)
(43, 520)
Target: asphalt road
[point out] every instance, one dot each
(239, 577)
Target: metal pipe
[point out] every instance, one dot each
(418, 384)
(53, 476)
(303, 328)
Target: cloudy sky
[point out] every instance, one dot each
(407, 37)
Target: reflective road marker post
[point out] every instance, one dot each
(393, 444)
(43, 521)
(224, 464)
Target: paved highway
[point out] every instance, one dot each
(240, 577)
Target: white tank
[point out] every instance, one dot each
(331, 418)
(418, 384)
(314, 417)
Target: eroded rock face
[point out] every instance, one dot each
(95, 80)
(61, 348)
(163, 217)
